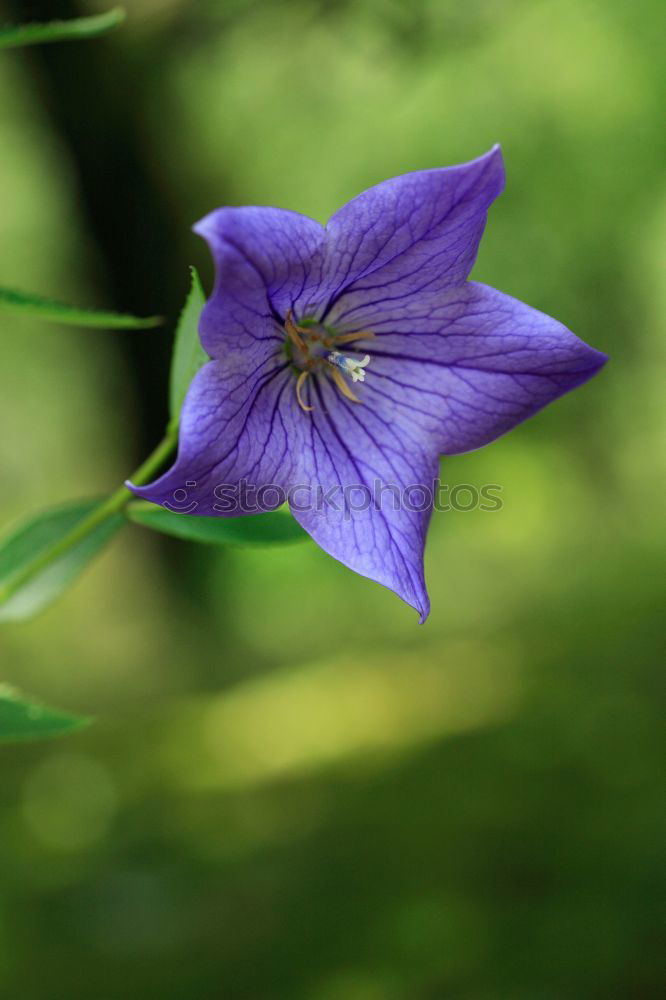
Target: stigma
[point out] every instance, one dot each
(350, 366)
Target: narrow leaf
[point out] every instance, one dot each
(188, 354)
(50, 310)
(60, 31)
(277, 527)
(33, 539)
(21, 719)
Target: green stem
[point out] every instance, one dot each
(112, 505)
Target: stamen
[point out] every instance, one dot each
(342, 386)
(349, 338)
(294, 332)
(299, 385)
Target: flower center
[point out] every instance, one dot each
(313, 348)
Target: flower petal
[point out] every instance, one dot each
(410, 234)
(464, 368)
(235, 432)
(360, 467)
(282, 257)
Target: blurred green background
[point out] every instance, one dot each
(292, 790)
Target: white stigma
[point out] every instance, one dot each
(349, 365)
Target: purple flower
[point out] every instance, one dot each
(354, 356)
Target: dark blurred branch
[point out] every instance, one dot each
(92, 92)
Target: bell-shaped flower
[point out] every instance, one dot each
(347, 358)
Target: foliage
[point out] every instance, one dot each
(28, 581)
(253, 529)
(21, 719)
(29, 304)
(13, 36)
(188, 354)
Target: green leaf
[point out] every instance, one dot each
(32, 540)
(25, 720)
(57, 312)
(60, 31)
(276, 527)
(188, 354)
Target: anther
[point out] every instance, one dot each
(343, 387)
(300, 381)
(294, 332)
(349, 338)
